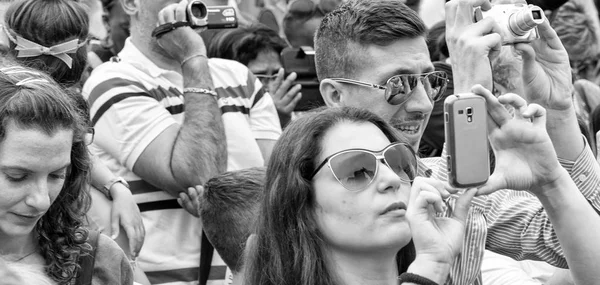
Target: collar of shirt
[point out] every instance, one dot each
(132, 55)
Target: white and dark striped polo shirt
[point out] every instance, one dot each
(131, 102)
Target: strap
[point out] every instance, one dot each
(86, 262)
(167, 27)
(206, 255)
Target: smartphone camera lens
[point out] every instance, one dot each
(469, 111)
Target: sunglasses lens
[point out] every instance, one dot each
(402, 161)
(436, 84)
(354, 169)
(399, 87)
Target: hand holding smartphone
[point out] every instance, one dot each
(465, 125)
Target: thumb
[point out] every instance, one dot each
(463, 203)
(114, 225)
(494, 182)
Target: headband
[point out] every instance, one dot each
(28, 48)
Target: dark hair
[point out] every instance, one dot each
(42, 104)
(374, 22)
(289, 246)
(301, 22)
(48, 23)
(245, 43)
(436, 42)
(228, 208)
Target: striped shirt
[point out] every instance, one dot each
(512, 223)
(131, 102)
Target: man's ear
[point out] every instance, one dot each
(331, 92)
(131, 7)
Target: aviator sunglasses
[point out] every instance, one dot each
(399, 87)
(356, 168)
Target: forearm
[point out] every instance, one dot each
(200, 149)
(101, 176)
(567, 209)
(564, 132)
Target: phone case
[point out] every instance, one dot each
(466, 140)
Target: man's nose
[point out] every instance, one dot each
(419, 100)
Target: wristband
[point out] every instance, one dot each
(106, 188)
(414, 278)
(200, 90)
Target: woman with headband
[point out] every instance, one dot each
(51, 36)
(44, 168)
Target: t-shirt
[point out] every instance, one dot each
(131, 102)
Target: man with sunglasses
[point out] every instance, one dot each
(373, 54)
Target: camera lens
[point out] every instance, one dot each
(527, 18)
(469, 111)
(198, 9)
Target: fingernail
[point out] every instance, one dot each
(113, 237)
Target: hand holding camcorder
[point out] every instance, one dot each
(200, 16)
(518, 22)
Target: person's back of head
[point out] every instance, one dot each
(30, 99)
(356, 24)
(301, 22)
(50, 35)
(228, 207)
(245, 44)
(578, 27)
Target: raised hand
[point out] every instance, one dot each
(546, 70)
(437, 239)
(472, 46)
(525, 156)
(183, 42)
(285, 96)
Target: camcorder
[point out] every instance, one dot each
(518, 22)
(210, 17)
(301, 60)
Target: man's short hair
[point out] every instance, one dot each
(358, 23)
(228, 208)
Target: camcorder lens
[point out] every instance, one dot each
(198, 10)
(537, 15)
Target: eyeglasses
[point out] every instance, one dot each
(356, 168)
(399, 87)
(265, 79)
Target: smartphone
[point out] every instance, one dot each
(465, 129)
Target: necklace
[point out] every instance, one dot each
(25, 256)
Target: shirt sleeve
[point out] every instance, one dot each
(126, 118)
(264, 120)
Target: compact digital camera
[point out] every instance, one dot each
(518, 22)
(211, 17)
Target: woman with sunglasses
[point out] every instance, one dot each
(342, 204)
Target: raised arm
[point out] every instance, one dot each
(186, 155)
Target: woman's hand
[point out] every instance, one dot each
(125, 213)
(525, 156)
(438, 240)
(190, 200)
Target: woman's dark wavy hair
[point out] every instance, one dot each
(42, 104)
(51, 22)
(289, 248)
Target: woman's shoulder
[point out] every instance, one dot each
(111, 265)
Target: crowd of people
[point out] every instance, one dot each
(136, 148)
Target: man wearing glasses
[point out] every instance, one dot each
(373, 54)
